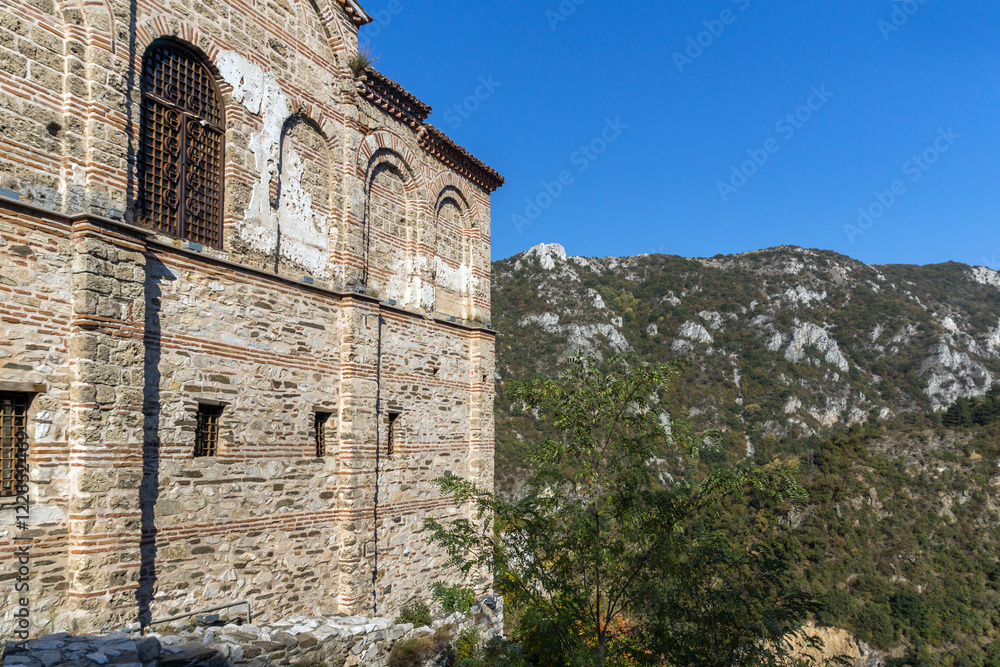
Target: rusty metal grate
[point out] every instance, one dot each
(206, 437)
(182, 146)
(321, 419)
(13, 443)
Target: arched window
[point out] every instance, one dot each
(182, 146)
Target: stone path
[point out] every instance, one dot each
(116, 648)
(339, 641)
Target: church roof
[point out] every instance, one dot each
(356, 12)
(385, 93)
(403, 105)
(441, 146)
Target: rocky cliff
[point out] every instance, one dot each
(780, 341)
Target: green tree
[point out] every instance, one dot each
(605, 548)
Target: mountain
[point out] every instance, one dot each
(840, 369)
(780, 341)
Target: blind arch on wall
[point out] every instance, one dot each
(182, 145)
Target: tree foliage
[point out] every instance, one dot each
(611, 558)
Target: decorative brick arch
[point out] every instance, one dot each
(386, 146)
(167, 26)
(322, 127)
(332, 22)
(448, 185)
(380, 150)
(328, 127)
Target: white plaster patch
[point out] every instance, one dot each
(460, 280)
(303, 239)
(45, 514)
(304, 233)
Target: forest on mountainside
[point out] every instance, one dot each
(874, 383)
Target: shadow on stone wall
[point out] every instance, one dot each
(149, 491)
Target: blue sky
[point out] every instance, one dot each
(836, 105)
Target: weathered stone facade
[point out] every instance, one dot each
(352, 280)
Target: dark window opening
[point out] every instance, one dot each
(320, 420)
(206, 438)
(392, 439)
(13, 444)
(182, 144)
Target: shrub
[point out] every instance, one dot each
(500, 652)
(874, 624)
(465, 645)
(836, 607)
(417, 613)
(453, 598)
(411, 652)
(361, 60)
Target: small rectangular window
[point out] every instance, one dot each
(13, 443)
(206, 439)
(392, 439)
(320, 420)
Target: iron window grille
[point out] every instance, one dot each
(13, 444)
(206, 439)
(182, 146)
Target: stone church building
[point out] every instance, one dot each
(244, 315)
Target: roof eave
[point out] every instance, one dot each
(357, 13)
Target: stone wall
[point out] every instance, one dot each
(35, 318)
(352, 279)
(327, 175)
